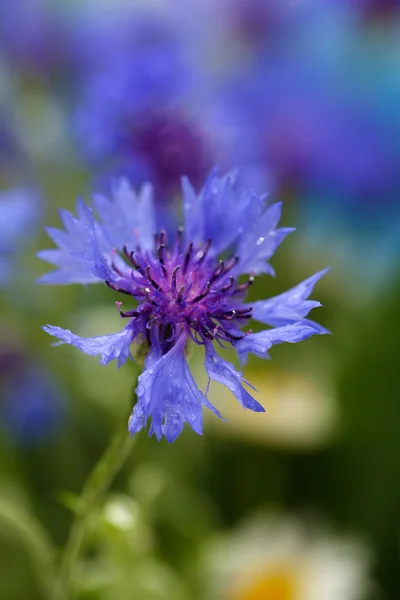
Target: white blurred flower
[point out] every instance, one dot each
(273, 559)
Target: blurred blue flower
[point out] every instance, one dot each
(32, 35)
(291, 116)
(185, 289)
(19, 213)
(137, 109)
(31, 407)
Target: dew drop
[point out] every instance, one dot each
(260, 241)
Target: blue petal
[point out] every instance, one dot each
(111, 347)
(217, 213)
(70, 269)
(129, 218)
(169, 395)
(193, 213)
(260, 238)
(259, 343)
(291, 306)
(224, 372)
(79, 258)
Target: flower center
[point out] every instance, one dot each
(184, 288)
(279, 585)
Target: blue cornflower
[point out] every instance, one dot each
(185, 290)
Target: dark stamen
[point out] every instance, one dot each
(228, 286)
(244, 311)
(160, 252)
(187, 257)
(174, 272)
(245, 286)
(231, 336)
(150, 279)
(132, 260)
(204, 294)
(218, 271)
(129, 313)
(230, 265)
(203, 253)
(116, 288)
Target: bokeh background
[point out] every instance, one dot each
(302, 97)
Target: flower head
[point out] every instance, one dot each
(273, 557)
(185, 289)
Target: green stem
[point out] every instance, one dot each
(93, 491)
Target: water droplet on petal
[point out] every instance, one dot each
(260, 241)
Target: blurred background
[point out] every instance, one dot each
(302, 97)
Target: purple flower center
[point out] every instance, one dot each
(184, 289)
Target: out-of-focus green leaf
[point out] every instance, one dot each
(20, 523)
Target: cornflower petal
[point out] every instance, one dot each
(169, 395)
(224, 372)
(217, 212)
(86, 248)
(260, 238)
(259, 343)
(70, 269)
(129, 216)
(291, 306)
(115, 346)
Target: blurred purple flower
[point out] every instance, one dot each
(185, 289)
